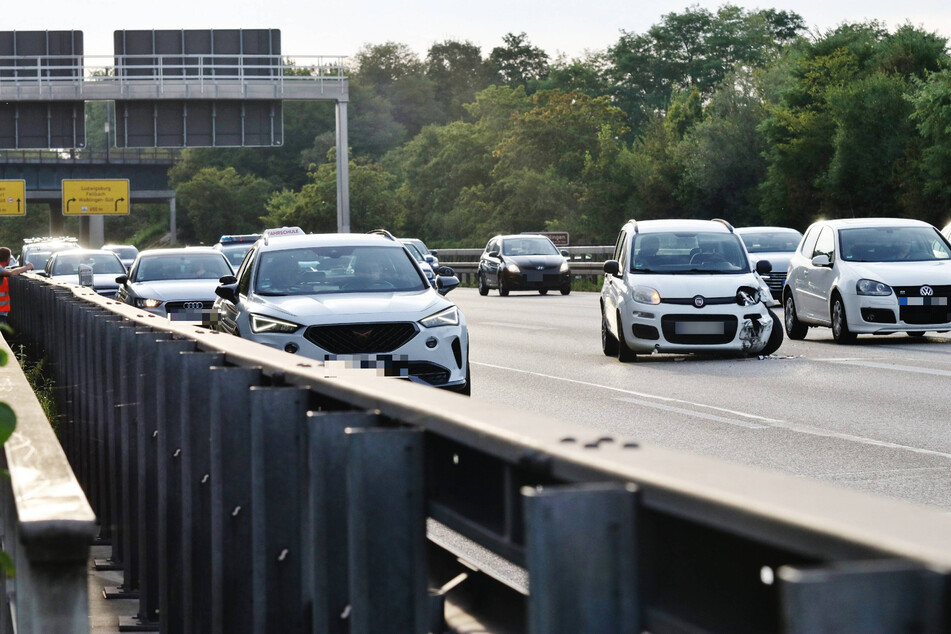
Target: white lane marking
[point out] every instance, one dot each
(687, 412)
(889, 366)
(769, 422)
(632, 392)
(506, 324)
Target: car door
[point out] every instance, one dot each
(817, 280)
(614, 285)
(493, 263)
(227, 311)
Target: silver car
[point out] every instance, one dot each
(355, 299)
(126, 253)
(90, 267)
(175, 283)
(775, 245)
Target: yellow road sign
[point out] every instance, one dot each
(95, 197)
(12, 198)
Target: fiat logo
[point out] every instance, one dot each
(927, 291)
(192, 305)
(699, 301)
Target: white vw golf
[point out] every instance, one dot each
(869, 276)
(354, 298)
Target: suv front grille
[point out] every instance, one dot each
(361, 338)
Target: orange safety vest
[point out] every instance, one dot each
(4, 294)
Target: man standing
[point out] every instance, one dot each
(5, 274)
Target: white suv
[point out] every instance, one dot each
(685, 286)
(360, 299)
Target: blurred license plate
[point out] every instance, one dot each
(699, 327)
(533, 276)
(182, 314)
(391, 364)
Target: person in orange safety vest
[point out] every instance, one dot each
(5, 274)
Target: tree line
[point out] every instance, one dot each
(736, 114)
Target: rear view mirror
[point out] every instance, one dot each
(122, 279)
(446, 283)
(763, 267)
(227, 279)
(611, 267)
(228, 292)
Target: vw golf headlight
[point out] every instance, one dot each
(260, 323)
(143, 302)
(448, 317)
(646, 295)
(872, 287)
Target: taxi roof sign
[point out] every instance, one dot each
(95, 197)
(12, 197)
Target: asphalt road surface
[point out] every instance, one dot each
(874, 415)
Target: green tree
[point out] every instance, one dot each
(517, 62)
(219, 201)
(458, 72)
(932, 117)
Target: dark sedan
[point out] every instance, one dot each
(523, 263)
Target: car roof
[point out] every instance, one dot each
(859, 223)
(680, 224)
(75, 252)
(765, 229)
(512, 236)
(328, 240)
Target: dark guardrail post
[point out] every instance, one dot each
(387, 520)
(581, 545)
(326, 575)
(229, 397)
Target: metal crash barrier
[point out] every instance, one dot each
(248, 490)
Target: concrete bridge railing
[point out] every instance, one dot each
(248, 490)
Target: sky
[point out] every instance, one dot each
(317, 27)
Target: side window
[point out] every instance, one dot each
(825, 245)
(809, 242)
(244, 273)
(617, 246)
(488, 246)
(625, 251)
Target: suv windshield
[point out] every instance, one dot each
(688, 252)
(336, 269)
(893, 244)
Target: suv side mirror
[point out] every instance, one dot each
(122, 279)
(764, 266)
(445, 283)
(611, 267)
(227, 279)
(228, 292)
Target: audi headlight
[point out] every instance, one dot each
(448, 317)
(564, 267)
(512, 267)
(646, 295)
(260, 323)
(871, 287)
(142, 302)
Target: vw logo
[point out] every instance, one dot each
(927, 291)
(699, 301)
(193, 305)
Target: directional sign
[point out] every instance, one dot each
(12, 198)
(95, 197)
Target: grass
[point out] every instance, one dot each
(42, 384)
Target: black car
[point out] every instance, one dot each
(523, 262)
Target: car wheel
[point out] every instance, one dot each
(608, 340)
(775, 337)
(503, 291)
(624, 354)
(840, 325)
(566, 289)
(483, 285)
(795, 329)
(543, 291)
(916, 335)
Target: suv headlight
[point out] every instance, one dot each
(646, 295)
(871, 287)
(448, 317)
(260, 323)
(142, 302)
(564, 267)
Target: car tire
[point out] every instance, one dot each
(608, 340)
(543, 291)
(624, 354)
(775, 337)
(795, 329)
(566, 289)
(503, 290)
(840, 323)
(483, 285)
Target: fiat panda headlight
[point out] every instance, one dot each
(646, 295)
